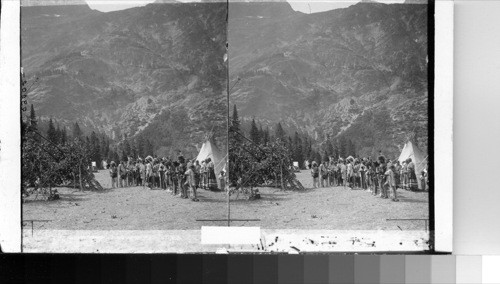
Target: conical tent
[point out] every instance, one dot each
(210, 150)
(411, 150)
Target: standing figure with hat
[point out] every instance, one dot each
(142, 172)
(113, 172)
(212, 179)
(174, 176)
(404, 174)
(203, 174)
(182, 179)
(412, 177)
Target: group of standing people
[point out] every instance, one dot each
(178, 176)
(381, 177)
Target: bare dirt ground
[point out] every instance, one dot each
(141, 220)
(333, 208)
(138, 208)
(130, 208)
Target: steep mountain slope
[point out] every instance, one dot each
(359, 71)
(119, 71)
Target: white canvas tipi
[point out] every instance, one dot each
(411, 150)
(210, 150)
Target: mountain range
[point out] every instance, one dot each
(157, 69)
(358, 72)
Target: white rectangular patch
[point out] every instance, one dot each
(230, 235)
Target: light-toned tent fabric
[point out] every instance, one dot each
(210, 150)
(419, 158)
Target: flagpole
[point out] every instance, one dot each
(228, 115)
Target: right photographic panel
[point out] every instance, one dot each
(329, 135)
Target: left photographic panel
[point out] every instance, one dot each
(124, 129)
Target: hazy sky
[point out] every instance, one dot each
(304, 6)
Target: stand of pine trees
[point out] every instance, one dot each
(260, 158)
(54, 158)
(134, 148)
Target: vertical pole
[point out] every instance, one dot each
(80, 174)
(227, 113)
(281, 169)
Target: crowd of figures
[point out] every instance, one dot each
(180, 177)
(381, 177)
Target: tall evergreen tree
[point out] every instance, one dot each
(123, 156)
(329, 148)
(235, 121)
(115, 156)
(87, 144)
(96, 149)
(77, 132)
(52, 132)
(103, 146)
(297, 149)
(265, 137)
(254, 133)
(351, 148)
(280, 133)
(133, 150)
(319, 158)
(140, 145)
(126, 147)
(149, 148)
(343, 151)
(335, 147)
(33, 121)
(289, 145)
(59, 132)
(64, 136)
(261, 134)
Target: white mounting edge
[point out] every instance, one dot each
(10, 128)
(211, 235)
(443, 126)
